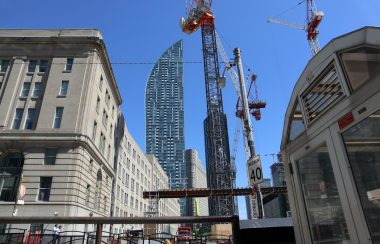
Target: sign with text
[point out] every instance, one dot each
(255, 171)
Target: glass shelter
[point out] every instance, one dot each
(331, 143)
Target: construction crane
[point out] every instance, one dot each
(245, 104)
(313, 19)
(218, 164)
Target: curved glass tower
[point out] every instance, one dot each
(165, 116)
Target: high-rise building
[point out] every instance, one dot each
(164, 111)
(279, 206)
(197, 178)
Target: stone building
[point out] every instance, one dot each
(59, 123)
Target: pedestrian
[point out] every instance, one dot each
(59, 233)
(55, 234)
(37, 237)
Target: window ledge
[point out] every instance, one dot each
(2, 73)
(41, 73)
(61, 96)
(66, 71)
(23, 98)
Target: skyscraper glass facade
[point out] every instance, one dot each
(165, 116)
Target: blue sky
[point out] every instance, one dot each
(140, 31)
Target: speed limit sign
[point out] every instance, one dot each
(255, 171)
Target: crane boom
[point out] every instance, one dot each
(286, 23)
(313, 19)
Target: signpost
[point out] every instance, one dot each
(255, 171)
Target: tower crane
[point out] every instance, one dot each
(313, 19)
(218, 164)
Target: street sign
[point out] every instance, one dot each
(255, 171)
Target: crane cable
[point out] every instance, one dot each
(289, 9)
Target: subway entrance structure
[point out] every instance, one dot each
(331, 143)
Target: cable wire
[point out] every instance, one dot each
(289, 9)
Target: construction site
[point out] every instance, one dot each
(71, 171)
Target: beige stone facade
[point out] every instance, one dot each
(59, 118)
(136, 173)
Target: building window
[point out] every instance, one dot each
(17, 118)
(361, 65)
(30, 119)
(111, 130)
(43, 66)
(119, 171)
(362, 145)
(102, 142)
(69, 64)
(104, 118)
(94, 131)
(50, 156)
(98, 189)
(88, 190)
(109, 152)
(44, 190)
(127, 180)
(101, 82)
(132, 185)
(37, 89)
(91, 166)
(64, 88)
(321, 197)
(126, 199)
(105, 204)
(4, 65)
(107, 98)
(32, 66)
(10, 175)
(97, 104)
(25, 89)
(58, 117)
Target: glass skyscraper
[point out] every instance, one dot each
(165, 116)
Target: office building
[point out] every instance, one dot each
(60, 120)
(58, 109)
(165, 115)
(134, 174)
(197, 178)
(277, 206)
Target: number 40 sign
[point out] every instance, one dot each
(255, 171)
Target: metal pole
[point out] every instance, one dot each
(235, 229)
(99, 228)
(243, 95)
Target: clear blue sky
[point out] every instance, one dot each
(140, 31)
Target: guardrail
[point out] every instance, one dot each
(99, 221)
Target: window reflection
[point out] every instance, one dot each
(297, 126)
(361, 65)
(323, 205)
(10, 175)
(363, 148)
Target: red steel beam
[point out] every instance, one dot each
(206, 192)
